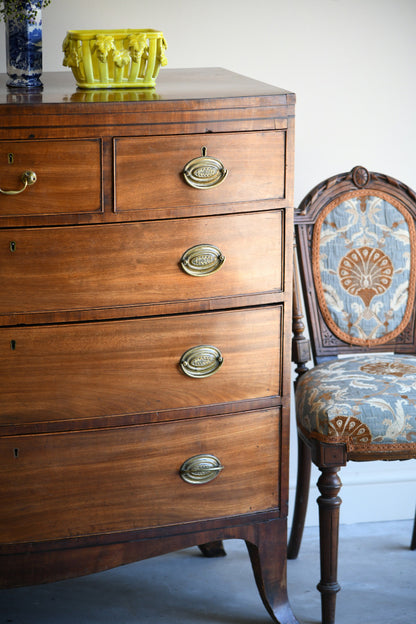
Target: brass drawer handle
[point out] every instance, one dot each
(201, 361)
(202, 260)
(204, 172)
(200, 469)
(28, 178)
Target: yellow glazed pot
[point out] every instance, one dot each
(103, 59)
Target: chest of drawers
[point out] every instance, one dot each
(145, 315)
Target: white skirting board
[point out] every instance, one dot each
(371, 492)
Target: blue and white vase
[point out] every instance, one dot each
(24, 50)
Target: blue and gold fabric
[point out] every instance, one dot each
(362, 266)
(367, 402)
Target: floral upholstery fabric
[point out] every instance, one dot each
(362, 401)
(362, 258)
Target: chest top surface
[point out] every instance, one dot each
(172, 84)
(181, 95)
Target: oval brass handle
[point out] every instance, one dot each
(201, 260)
(201, 361)
(28, 178)
(200, 469)
(204, 172)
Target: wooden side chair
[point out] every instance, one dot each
(356, 248)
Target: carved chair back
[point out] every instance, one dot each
(356, 247)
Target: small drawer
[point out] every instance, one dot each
(149, 171)
(73, 484)
(86, 370)
(134, 264)
(68, 177)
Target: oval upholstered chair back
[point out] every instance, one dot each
(356, 243)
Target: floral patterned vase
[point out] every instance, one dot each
(24, 51)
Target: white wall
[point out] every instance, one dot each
(351, 64)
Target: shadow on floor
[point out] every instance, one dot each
(377, 572)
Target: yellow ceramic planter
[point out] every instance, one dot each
(114, 58)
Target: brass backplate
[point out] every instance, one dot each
(201, 260)
(200, 469)
(201, 361)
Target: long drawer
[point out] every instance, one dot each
(130, 264)
(149, 171)
(68, 177)
(66, 485)
(87, 370)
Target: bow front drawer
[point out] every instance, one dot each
(198, 170)
(128, 478)
(134, 264)
(56, 373)
(67, 177)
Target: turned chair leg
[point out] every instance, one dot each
(329, 485)
(301, 499)
(413, 542)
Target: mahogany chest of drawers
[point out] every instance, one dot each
(145, 316)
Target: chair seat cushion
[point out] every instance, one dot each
(367, 402)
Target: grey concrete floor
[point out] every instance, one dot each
(377, 572)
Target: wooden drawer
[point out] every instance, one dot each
(148, 171)
(52, 373)
(105, 266)
(67, 485)
(68, 177)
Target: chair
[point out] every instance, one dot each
(356, 248)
